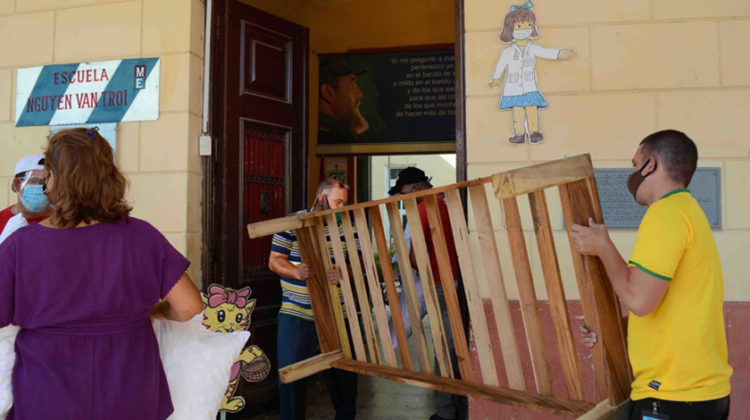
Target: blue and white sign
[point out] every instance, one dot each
(85, 93)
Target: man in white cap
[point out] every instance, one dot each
(32, 205)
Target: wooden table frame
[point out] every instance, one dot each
(366, 346)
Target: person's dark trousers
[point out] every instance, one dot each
(342, 386)
(674, 410)
(297, 340)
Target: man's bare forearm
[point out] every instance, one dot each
(617, 271)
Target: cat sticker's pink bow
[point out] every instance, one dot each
(219, 295)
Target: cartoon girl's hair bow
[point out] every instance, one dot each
(219, 295)
(528, 5)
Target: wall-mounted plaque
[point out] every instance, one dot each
(622, 212)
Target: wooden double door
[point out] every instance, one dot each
(258, 170)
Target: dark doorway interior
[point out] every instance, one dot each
(259, 167)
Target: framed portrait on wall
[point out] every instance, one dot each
(387, 101)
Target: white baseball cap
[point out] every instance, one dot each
(29, 163)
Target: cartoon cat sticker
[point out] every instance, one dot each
(228, 310)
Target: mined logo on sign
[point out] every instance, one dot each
(140, 77)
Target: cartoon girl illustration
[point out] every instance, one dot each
(518, 62)
(228, 310)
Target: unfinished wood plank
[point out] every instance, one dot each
(534, 336)
(541, 176)
(602, 411)
(359, 285)
(501, 395)
(269, 227)
(333, 290)
(586, 292)
(421, 255)
(390, 288)
(409, 288)
(449, 288)
(373, 282)
(308, 367)
(417, 194)
(477, 315)
(494, 275)
(600, 310)
(556, 294)
(317, 287)
(346, 287)
(599, 215)
(608, 307)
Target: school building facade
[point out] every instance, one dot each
(639, 66)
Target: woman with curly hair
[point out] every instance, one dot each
(82, 285)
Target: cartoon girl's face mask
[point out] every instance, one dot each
(521, 34)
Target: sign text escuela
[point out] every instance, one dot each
(94, 92)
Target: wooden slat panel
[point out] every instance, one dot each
(600, 307)
(534, 336)
(471, 287)
(308, 367)
(359, 283)
(541, 176)
(333, 290)
(501, 395)
(374, 284)
(449, 288)
(346, 287)
(419, 248)
(317, 286)
(556, 294)
(494, 275)
(390, 288)
(409, 289)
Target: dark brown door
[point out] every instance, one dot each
(260, 166)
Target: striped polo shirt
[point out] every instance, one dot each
(295, 298)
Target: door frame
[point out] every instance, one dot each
(461, 163)
(217, 106)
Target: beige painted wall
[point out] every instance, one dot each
(160, 158)
(641, 66)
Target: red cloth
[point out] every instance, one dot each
(5, 215)
(447, 231)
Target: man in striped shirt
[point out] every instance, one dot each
(296, 338)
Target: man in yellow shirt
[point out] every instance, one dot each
(673, 287)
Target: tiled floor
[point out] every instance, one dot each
(377, 399)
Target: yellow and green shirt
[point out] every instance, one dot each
(679, 351)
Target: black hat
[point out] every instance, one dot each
(410, 175)
(333, 68)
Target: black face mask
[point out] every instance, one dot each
(636, 179)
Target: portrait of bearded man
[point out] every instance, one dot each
(339, 119)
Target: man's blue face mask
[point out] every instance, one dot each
(34, 199)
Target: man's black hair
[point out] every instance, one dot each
(676, 152)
